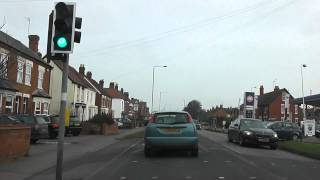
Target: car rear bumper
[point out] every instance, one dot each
(260, 141)
(172, 142)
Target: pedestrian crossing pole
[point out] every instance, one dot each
(63, 106)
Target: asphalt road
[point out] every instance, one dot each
(218, 159)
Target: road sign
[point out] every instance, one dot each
(309, 127)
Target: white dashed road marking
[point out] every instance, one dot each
(227, 161)
(123, 177)
(155, 177)
(205, 161)
(188, 177)
(252, 177)
(220, 177)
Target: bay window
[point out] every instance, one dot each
(9, 104)
(45, 108)
(37, 107)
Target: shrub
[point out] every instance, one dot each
(102, 118)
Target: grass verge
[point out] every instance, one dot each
(305, 149)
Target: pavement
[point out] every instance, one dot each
(218, 159)
(42, 155)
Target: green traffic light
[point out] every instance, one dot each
(62, 42)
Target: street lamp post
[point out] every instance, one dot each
(304, 105)
(153, 71)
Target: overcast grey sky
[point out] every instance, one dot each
(214, 49)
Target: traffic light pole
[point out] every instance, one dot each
(63, 105)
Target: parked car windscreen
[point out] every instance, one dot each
(55, 119)
(26, 119)
(41, 120)
(74, 119)
(171, 118)
(246, 123)
(46, 118)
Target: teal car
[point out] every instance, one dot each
(171, 130)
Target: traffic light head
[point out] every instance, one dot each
(63, 28)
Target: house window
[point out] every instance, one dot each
(40, 77)
(296, 120)
(282, 108)
(25, 104)
(78, 94)
(296, 109)
(9, 104)
(28, 74)
(17, 104)
(3, 65)
(37, 108)
(45, 108)
(82, 95)
(20, 71)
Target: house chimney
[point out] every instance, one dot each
(34, 42)
(276, 88)
(121, 90)
(116, 87)
(261, 90)
(89, 74)
(111, 85)
(81, 69)
(101, 83)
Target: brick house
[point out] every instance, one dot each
(143, 110)
(24, 77)
(277, 105)
(117, 100)
(103, 102)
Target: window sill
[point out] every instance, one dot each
(27, 84)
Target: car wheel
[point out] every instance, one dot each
(53, 135)
(295, 137)
(147, 151)
(274, 146)
(195, 152)
(33, 141)
(75, 133)
(241, 142)
(229, 138)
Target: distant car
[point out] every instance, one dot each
(74, 127)
(39, 127)
(171, 130)
(252, 131)
(119, 123)
(53, 125)
(317, 130)
(198, 124)
(286, 130)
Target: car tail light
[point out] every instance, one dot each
(55, 125)
(152, 118)
(190, 118)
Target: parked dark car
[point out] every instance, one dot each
(39, 127)
(286, 130)
(124, 122)
(317, 130)
(74, 127)
(53, 125)
(252, 131)
(8, 119)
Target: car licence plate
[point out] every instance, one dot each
(171, 130)
(264, 140)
